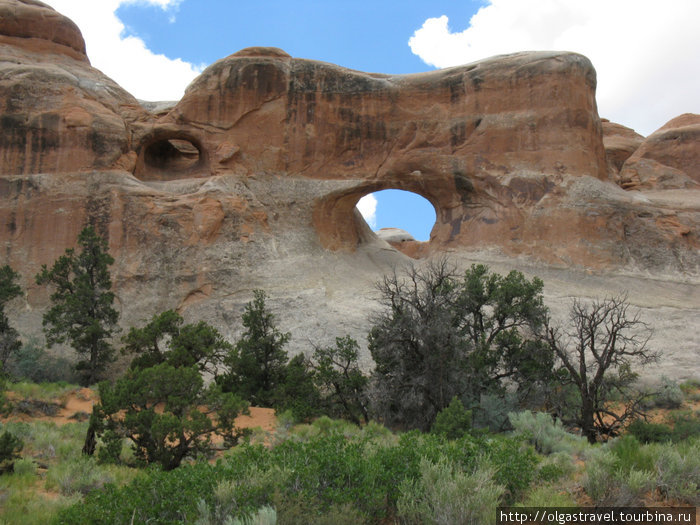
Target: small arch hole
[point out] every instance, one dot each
(398, 210)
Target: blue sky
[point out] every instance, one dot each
(369, 36)
(646, 53)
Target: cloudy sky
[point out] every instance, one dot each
(646, 53)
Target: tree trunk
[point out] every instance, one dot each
(587, 422)
(90, 440)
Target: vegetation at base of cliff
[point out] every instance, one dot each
(461, 360)
(332, 470)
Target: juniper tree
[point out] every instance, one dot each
(162, 403)
(258, 361)
(82, 314)
(440, 335)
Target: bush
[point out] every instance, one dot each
(685, 425)
(678, 468)
(453, 421)
(624, 472)
(226, 510)
(337, 474)
(32, 363)
(545, 433)
(10, 447)
(669, 395)
(646, 432)
(446, 494)
(555, 467)
(25, 467)
(80, 476)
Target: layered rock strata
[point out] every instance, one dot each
(251, 180)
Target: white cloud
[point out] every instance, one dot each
(368, 208)
(646, 53)
(126, 59)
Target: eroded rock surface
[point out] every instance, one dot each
(668, 159)
(251, 180)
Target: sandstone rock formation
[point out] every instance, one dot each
(668, 159)
(251, 180)
(620, 143)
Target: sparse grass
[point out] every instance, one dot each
(56, 392)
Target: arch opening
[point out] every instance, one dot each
(402, 218)
(172, 154)
(167, 156)
(399, 210)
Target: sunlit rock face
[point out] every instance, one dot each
(251, 180)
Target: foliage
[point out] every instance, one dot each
(555, 466)
(624, 472)
(596, 355)
(225, 509)
(32, 363)
(668, 395)
(453, 421)
(646, 432)
(547, 496)
(446, 494)
(82, 313)
(161, 403)
(545, 433)
(331, 477)
(678, 471)
(166, 340)
(298, 394)
(80, 476)
(10, 447)
(439, 336)
(167, 412)
(9, 337)
(685, 424)
(257, 363)
(337, 375)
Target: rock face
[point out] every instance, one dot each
(620, 143)
(251, 180)
(669, 158)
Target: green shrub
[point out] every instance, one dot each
(10, 447)
(514, 463)
(292, 510)
(80, 476)
(446, 494)
(631, 455)
(685, 425)
(621, 473)
(336, 471)
(678, 470)
(453, 421)
(555, 466)
(545, 433)
(547, 496)
(25, 467)
(646, 432)
(226, 508)
(32, 363)
(44, 391)
(491, 412)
